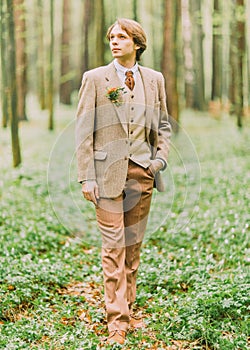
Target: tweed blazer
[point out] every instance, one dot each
(102, 146)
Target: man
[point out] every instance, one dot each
(123, 137)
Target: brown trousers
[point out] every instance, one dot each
(122, 222)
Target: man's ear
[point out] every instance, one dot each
(137, 47)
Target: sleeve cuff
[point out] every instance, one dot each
(164, 164)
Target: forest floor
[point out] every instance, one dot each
(193, 283)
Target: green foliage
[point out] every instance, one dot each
(193, 285)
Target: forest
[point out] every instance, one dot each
(201, 46)
(195, 294)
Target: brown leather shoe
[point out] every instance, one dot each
(136, 322)
(116, 337)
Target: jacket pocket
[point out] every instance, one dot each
(100, 155)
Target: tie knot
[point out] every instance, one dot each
(129, 73)
(129, 81)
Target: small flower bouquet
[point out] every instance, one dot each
(114, 94)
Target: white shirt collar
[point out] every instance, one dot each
(121, 70)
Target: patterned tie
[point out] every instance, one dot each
(129, 81)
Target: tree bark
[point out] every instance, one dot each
(66, 83)
(100, 32)
(188, 54)
(40, 56)
(51, 66)
(237, 53)
(21, 58)
(85, 30)
(217, 53)
(16, 153)
(170, 58)
(135, 14)
(197, 48)
(4, 83)
(233, 64)
(241, 53)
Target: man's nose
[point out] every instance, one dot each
(114, 41)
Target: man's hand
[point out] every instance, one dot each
(155, 166)
(90, 191)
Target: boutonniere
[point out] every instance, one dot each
(114, 95)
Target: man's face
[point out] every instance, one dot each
(122, 45)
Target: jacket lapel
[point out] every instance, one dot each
(149, 89)
(112, 80)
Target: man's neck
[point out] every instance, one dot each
(126, 63)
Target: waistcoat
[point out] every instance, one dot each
(139, 150)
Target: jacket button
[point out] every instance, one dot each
(125, 158)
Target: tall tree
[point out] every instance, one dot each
(87, 18)
(187, 54)
(237, 52)
(225, 38)
(170, 57)
(233, 62)
(21, 58)
(12, 85)
(197, 48)
(240, 40)
(4, 83)
(135, 14)
(40, 55)
(248, 52)
(51, 67)
(66, 81)
(217, 52)
(100, 34)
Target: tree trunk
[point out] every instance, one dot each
(100, 34)
(170, 58)
(40, 55)
(135, 15)
(237, 52)
(12, 86)
(4, 83)
(248, 53)
(66, 81)
(188, 55)
(51, 66)
(21, 58)
(87, 16)
(239, 103)
(197, 48)
(217, 53)
(233, 64)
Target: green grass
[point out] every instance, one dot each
(193, 285)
